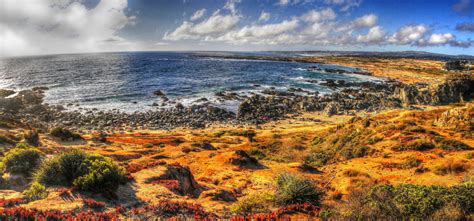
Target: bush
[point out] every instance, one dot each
(295, 189)
(411, 162)
(64, 134)
(451, 167)
(23, 161)
(35, 191)
(419, 145)
(453, 145)
(356, 152)
(256, 202)
(85, 171)
(319, 158)
(32, 138)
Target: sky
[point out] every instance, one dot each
(35, 27)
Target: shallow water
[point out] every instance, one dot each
(126, 81)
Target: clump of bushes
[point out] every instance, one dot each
(35, 191)
(255, 202)
(355, 152)
(451, 167)
(319, 158)
(452, 145)
(84, 171)
(21, 160)
(411, 162)
(419, 145)
(295, 189)
(408, 202)
(32, 138)
(64, 134)
(419, 202)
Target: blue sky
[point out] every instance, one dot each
(70, 26)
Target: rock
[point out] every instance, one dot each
(331, 109)
(459, 118)
(219, 195)
(457, 88)
(5, 93)
(159, 93)
(187, 185)
(203, 145)
(241, 159)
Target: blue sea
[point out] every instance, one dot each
(126, 81)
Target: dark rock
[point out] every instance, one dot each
(241, 159)
(5, 93)
(159, 93)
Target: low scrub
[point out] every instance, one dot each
(409, 202)
(35, 191)
(255, 202)
(22, 160)
(88, 172)
(295, 189)
(64, 134)
(451, 167)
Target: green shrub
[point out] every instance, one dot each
(319, 158)
(356, 152)
(35, 191)
(416, 202)
(450, 167)
(453, 145)
(88, 172)
(258, 154)
(419, 145)
(293, 189)
(411, 162)
(256, 202)
(23, 161)
(32, 138)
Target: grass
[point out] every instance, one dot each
(294, 189)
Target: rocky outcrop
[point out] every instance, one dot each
(219, 195)
(241, 159)
(457, 88)
(184, 178)
(459, 119)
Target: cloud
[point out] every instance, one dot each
(231, 6)
(319, 16)
(464, 7)
(198, 14)
(466, 26)
(264, 16)
(214, 25)
(345, 5)
(375, 35)
(440, 38)
(409, 34)
(366, 21)
(259, 34)
(60, 26)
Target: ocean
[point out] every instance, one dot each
(127, 81)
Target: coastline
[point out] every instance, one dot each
(225, 156)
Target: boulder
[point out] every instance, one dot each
(241, 159)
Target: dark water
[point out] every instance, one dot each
(118, 80)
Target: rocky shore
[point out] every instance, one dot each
(28, 106)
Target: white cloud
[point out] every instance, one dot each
(231, 6)
(59, 26)
(198, 14)
(319, 16)
(410, 34)
(375, 35)
(259, 33)
(212, 26)
(366, 21)
(264, 16)
(288, 2)
(345, 5)
(440, 38)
